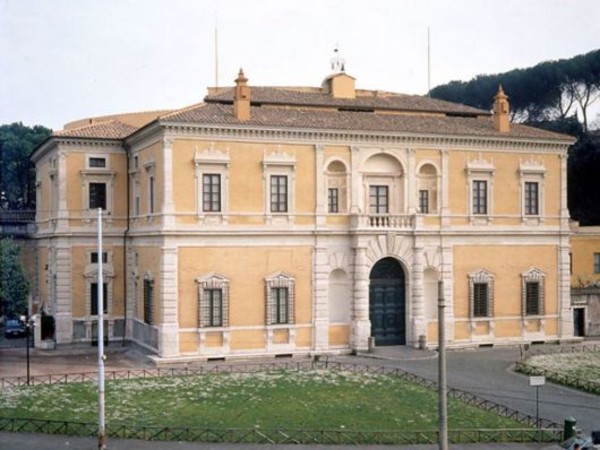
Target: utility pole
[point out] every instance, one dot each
(100, 308)
(442, 390)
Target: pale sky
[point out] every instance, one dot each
(63, 60)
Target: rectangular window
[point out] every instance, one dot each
(151, 194)
(97, 197)
(279, 193)
(149, 302)
(479, 197)
(531, 198)
(333, 199)
(94, 257)
(532, 298)
(211, 192)
(280, 305)
(94, 298)
(97, 162)
(480, 299)
(137, 205)
(378, 199)
(596, 262)
(424, 201)
(213, 304)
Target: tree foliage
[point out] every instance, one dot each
(584, 180)
(14, 286)
(550, 90)
(17, 180)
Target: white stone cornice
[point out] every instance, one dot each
(465, 142)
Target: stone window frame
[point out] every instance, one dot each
(212, 281)
(481, 276)
(101, 175)
(339, 180)
(430, 183)
(533, 275)
(480, 170)
(532, 172)
(279, 163)
(212, 161)
(276, 281)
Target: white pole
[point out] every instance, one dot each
(428, 64)
(442, 393)
(100, 308)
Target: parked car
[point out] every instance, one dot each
(15, 328)
(585, 443)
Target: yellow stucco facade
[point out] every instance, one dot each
(310, 222)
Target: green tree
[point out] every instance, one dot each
(17, 172)
(14, 286)
(583, 182)
(546, 91)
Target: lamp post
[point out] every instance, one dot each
(29, 325)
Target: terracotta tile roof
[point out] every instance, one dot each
(332, 119)
(112, 129)
(377, 100)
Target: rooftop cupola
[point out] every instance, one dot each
(339, 85)
(501, 111)
(241, 97)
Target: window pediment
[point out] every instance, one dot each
(211, 155)
(278, 158)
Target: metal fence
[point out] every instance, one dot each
(278, 436)
(545, 430)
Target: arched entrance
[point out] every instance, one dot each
(387, 303)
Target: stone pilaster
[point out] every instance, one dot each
(63, 302)
(321, 190)
(418, 321)
(63, 210)
(411, 184)
(321, 299)
(565, 311)
(361, 325)
(444, 186)
(168, 206)
(355, 180)
(169, 326)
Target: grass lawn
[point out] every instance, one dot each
(315, 399)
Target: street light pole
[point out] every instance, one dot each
(442, 390)
(100, 308)
(27, 344)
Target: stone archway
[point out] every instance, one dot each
(387, 302)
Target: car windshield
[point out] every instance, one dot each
(13, 323)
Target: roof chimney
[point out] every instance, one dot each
(501, 112)
(241, 97)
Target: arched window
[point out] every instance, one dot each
(337, 192)
(428, 189)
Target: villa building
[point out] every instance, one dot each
(305, 220)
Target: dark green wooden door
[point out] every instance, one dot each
(387, 305)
